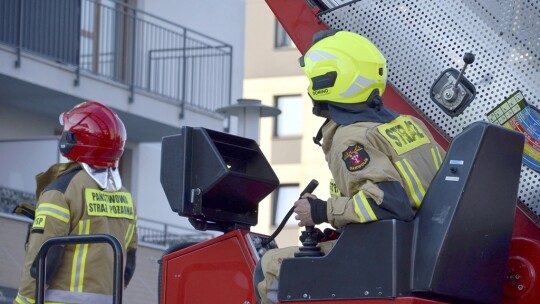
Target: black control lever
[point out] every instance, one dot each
(468, 58)
(451, 94)
(309, 189)
(452, 91)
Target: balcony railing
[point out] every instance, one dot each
(124, 44)
(165, 235)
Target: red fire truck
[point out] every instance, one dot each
(476, 237)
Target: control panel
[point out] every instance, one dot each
(256, 246)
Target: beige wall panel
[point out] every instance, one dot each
(262, 59)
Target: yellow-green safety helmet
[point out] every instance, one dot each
(344, 68)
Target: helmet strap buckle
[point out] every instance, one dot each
(317, 138)
(375, 100)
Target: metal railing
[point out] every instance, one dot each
(118, 261)
(166, 235)
(124, 44)
(10, 198)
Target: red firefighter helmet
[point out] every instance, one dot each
(93, 134)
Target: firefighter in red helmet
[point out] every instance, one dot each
(81, 197)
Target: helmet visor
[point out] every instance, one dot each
(61, 118)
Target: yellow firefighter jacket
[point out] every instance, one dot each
(72, 203)
(377, 168)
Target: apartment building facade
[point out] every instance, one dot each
(160, 65)
(273, 75)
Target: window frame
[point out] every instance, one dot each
(275, 200)
(282, 42)
(276, 119)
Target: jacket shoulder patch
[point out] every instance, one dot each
(62, 182)
(355, 157)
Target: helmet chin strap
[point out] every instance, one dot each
(317, 138)
(108, 179)
(321, 109)
(375, 100)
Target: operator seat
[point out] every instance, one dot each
(456, 248)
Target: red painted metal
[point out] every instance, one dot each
(522, 284)
(526, 223)
(220, 271)
(404, 300)
(216, 271)
(299, 21)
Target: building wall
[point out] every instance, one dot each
(28, 125)
(222, 20)
(271, 72)
(308, 158)
(151, 200)
(217, 19)
(262, 59)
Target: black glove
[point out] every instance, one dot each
(130, 266)
(318, 210)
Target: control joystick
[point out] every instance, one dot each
(452, 91)
(309, 244)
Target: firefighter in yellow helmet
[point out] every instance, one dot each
(81, 197)
(381, 162)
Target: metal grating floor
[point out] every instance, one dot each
(420, 39)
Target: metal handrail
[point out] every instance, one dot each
(85, 33)
(81, 239)
(163, 236)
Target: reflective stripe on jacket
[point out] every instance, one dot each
(73, 204)
(377, 165)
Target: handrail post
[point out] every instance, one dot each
(133, 53)
(20, 36)
(77, 79)
(184, 74)
(118, 285)
(165, 233)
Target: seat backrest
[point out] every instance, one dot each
(464, 225)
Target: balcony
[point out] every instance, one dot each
(112, 41)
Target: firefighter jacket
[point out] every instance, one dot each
(380, 170)
(71, 203)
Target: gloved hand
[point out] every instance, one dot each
(318, 210)
(302, 208)
(310, 210)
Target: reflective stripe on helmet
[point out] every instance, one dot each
(319, 55)
(349, 55)
(359, 84)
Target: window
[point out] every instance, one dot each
(284, 198)
(289, 122)
(282, 38)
